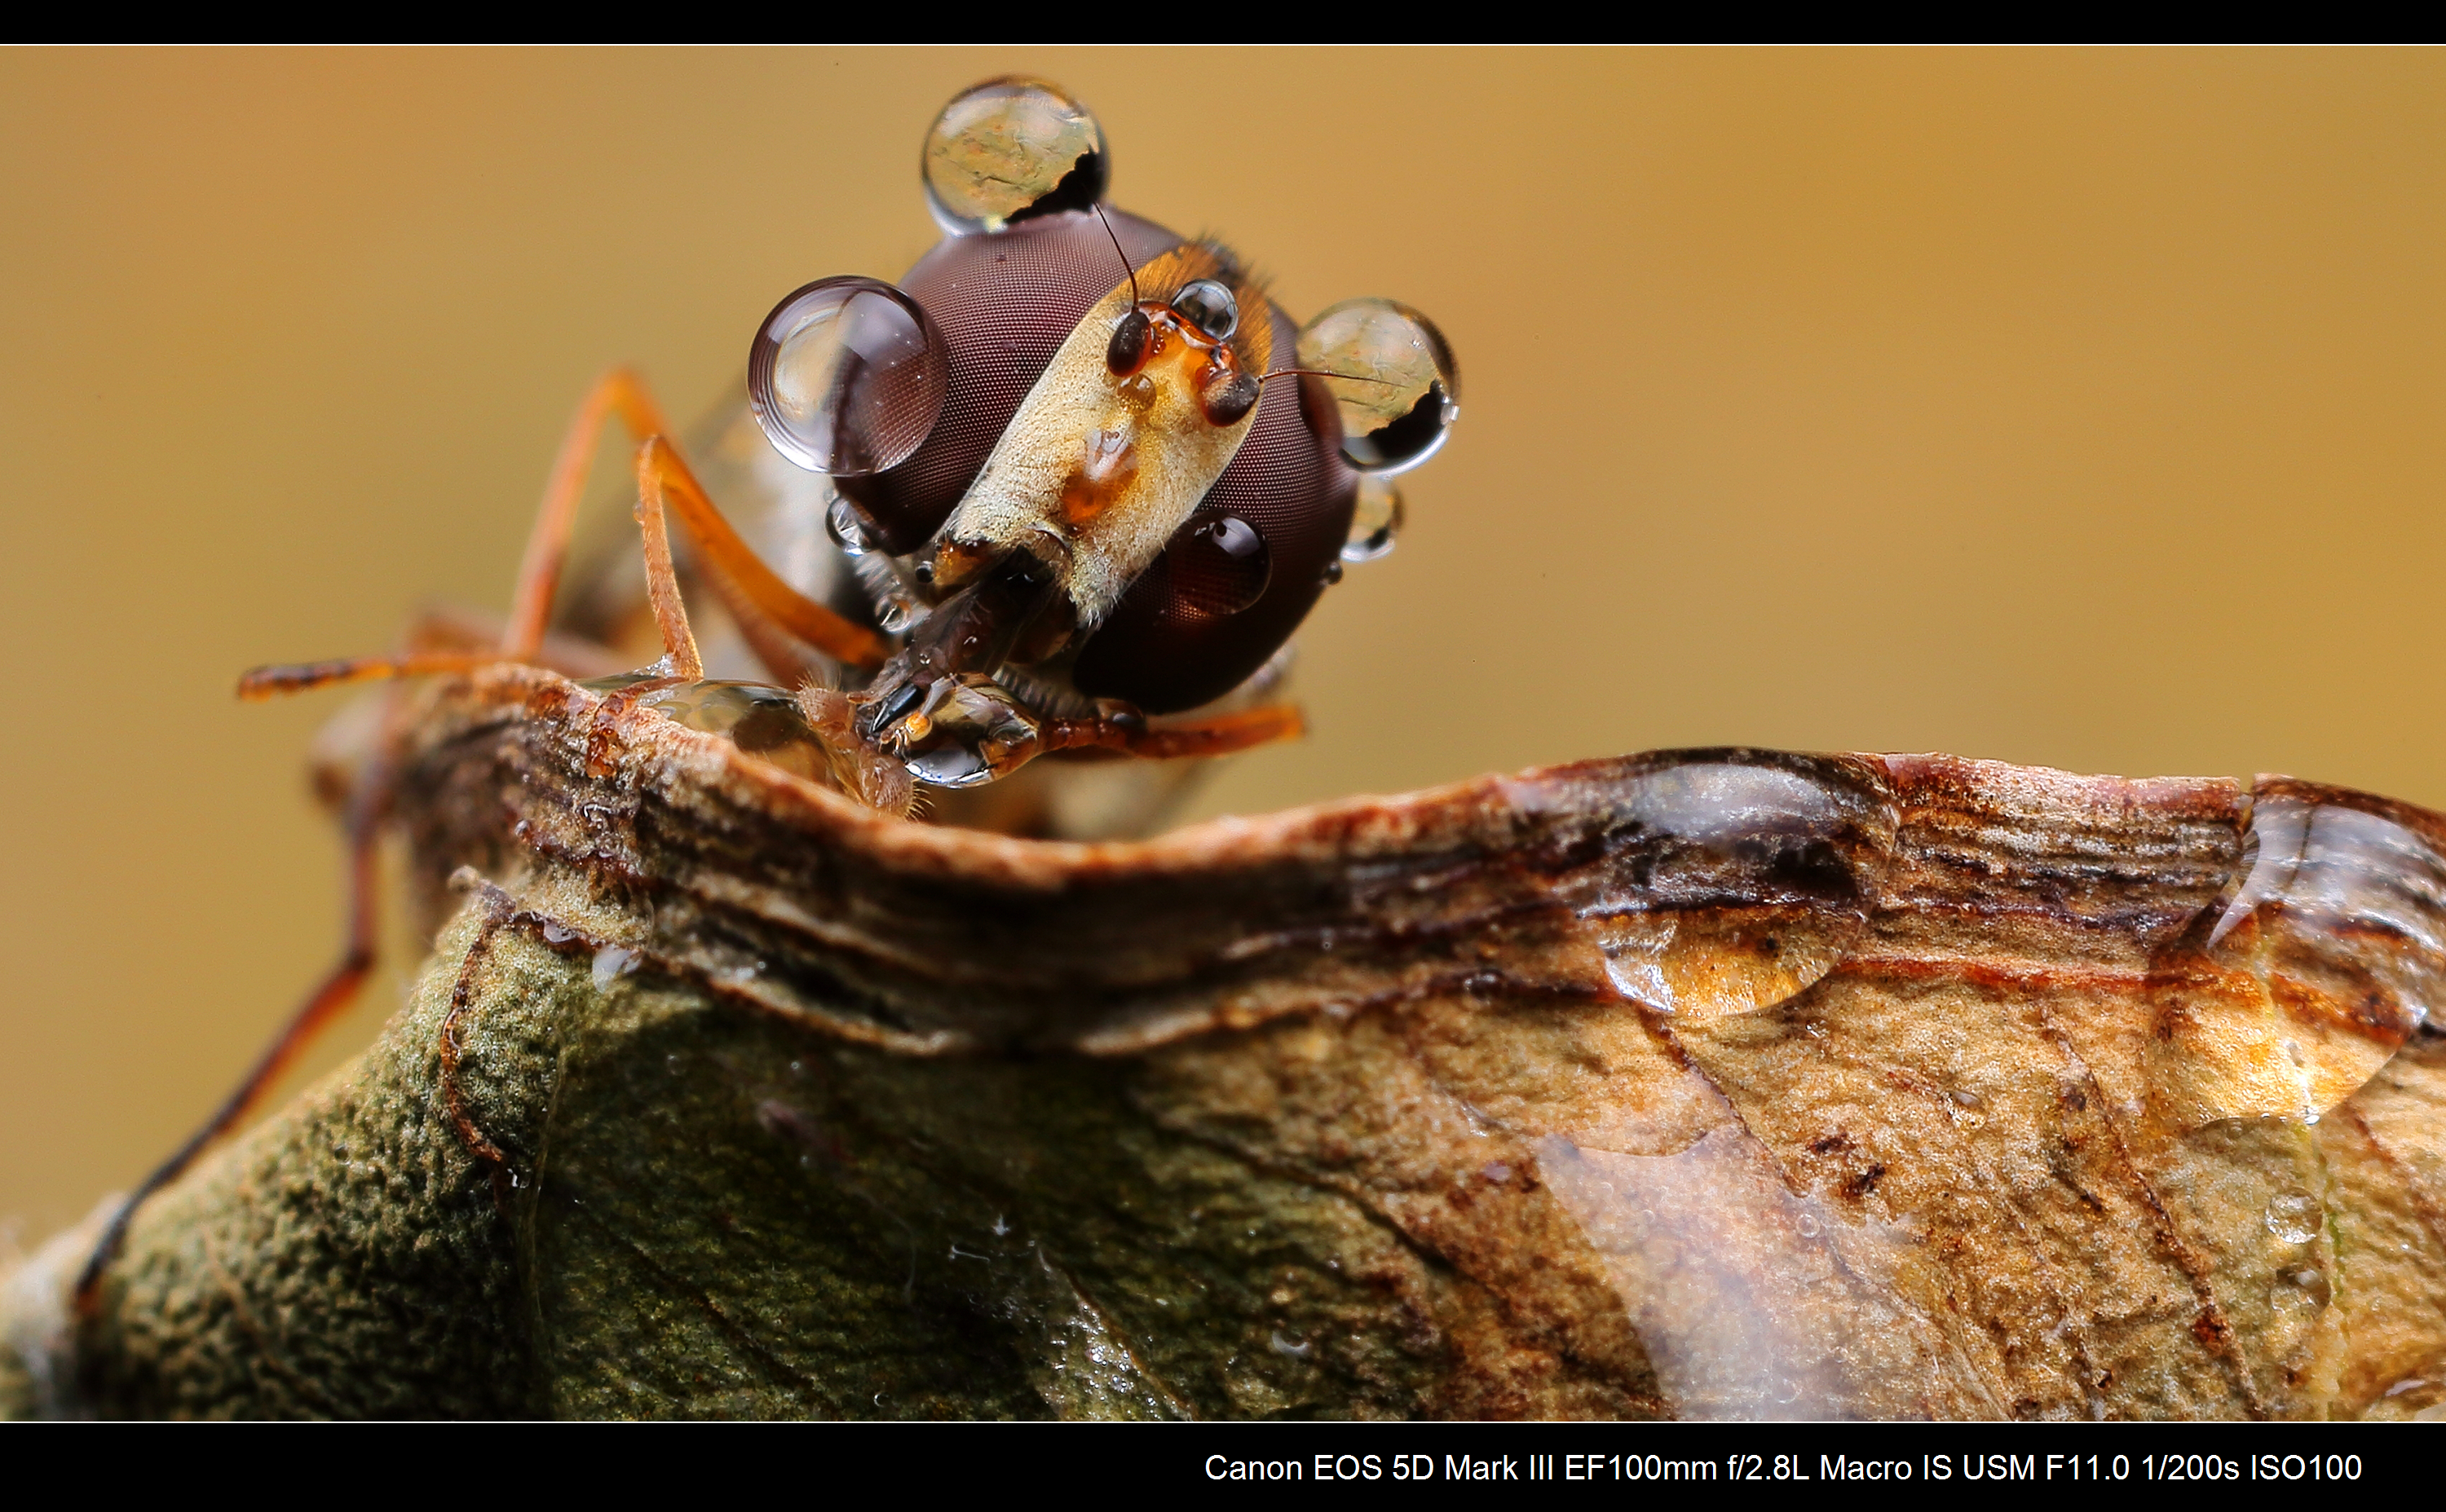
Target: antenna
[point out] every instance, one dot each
(1118, 253)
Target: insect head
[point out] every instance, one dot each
(1088, 471)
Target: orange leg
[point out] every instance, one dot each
(746, 584)
(619, 392)
(1219, 736)
(329, 999)
(768, 610)
(679, 656)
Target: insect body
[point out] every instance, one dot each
(1074, 475)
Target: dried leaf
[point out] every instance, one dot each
(1727, 1084)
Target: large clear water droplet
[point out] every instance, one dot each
(1395, 385)
(2327, 956)
(847, 376)
(1009, 149)
(766, 722)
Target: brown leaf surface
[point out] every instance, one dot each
(1717, 1084)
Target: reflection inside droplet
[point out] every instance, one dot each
(2326, 961)
(766, 722)
(1735, 886)
(1218, 565)
(1009, 149)
(1395, 386)
(847, 376)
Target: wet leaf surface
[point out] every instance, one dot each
(1719, 1084)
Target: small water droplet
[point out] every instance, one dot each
(612, 962)
(559, 934)
(896, 615)
(1787, 1390)
(1375, 521)
(841, 523)
(2293, 1218)
(1296, 1348)
(1808, 1225)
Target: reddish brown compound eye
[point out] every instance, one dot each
(847, 376)
(1171, 644)
(1004, 303)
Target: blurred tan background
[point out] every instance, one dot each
(2078, 408)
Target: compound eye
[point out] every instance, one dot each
(1010, 149)
(1395, 387)
(847, 376)
(1220, 565)
(1209, 307)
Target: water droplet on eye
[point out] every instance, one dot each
(2293, 1218)
(1010, 149)
(1808, 1225)
(843, 524)
(1217, 564)
(1395, 386)
(1375, 523)
(847, 376)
